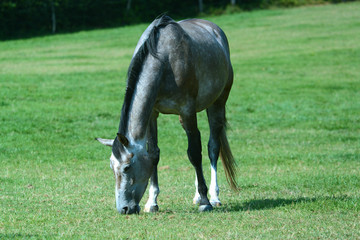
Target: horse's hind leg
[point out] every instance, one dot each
(216, 117)
(189, 123)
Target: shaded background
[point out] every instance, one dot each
(28, 18)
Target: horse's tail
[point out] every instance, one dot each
(228, 161)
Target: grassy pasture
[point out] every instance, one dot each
(294, 113)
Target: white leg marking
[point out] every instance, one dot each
(214, 188)
(196, 199)
(151, 204)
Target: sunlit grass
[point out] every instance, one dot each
(294, 114)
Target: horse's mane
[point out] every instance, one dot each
(148, 47)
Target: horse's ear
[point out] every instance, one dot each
(106, 142)
(123, 139)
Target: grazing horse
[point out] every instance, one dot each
(177, 68)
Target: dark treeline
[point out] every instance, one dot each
(26, 18)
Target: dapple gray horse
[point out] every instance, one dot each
(177, 68)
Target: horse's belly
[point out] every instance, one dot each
(210, 88)
(168, 106)
(178, 103)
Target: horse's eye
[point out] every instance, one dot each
(126, 168)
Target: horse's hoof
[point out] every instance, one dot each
(151, 209)
(216, 204)
(205, 208)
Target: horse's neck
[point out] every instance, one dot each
(143, 103)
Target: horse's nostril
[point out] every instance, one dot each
(124, 210)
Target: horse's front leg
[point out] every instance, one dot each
(154, 153)
(189, 124)
(151, 204)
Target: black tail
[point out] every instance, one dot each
(228, 161)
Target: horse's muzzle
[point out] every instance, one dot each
(130, 210)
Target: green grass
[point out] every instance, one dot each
(294, 113)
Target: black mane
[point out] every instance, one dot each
(149, 46)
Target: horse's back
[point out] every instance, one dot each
(202, 30)
(199, 65)
(212, 59)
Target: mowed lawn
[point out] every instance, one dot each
(294, 114)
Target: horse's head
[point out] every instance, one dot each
(132, 169)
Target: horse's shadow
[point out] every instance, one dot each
(263, 204)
